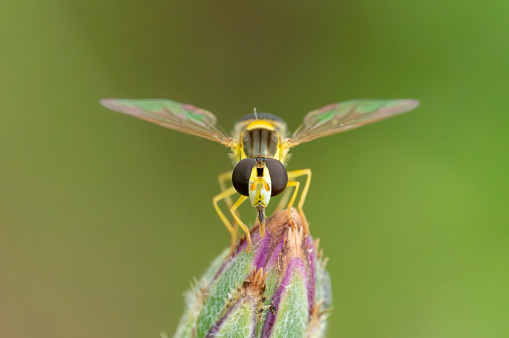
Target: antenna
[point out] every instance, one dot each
(255, 114)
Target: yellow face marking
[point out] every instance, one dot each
(260, 124)
(252, 187)
(267, 188)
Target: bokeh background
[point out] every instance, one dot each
(105, 219)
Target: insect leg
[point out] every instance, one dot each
(294, 174)
(221, 196)
(244, 227)
(295, 184)
(222, 179)
(285, 197)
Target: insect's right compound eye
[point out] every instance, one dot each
(241, 175)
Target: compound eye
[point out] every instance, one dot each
(241, 175)
(278, 176)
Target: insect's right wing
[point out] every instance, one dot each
(343, 116)
(174, 115)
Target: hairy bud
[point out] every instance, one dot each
(279, 289)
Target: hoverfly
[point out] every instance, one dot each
(260, 143)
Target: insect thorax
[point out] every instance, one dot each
(259, 142)
(260, 138)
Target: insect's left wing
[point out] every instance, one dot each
(174, 115)
(343, 116)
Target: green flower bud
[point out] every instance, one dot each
(279, 289)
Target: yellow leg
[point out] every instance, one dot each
(294, 174)
(221, 196)
(222, 179)
(244, 227)
(283, 201)
(295, 184)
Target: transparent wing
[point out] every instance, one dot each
(174, 115)
(343, 116)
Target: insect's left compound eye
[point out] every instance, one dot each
(241, 175)
(278, 176)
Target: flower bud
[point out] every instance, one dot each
(279, 289)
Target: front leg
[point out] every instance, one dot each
(222, 179)
(294, 174)
(233, 231)
(244, 227)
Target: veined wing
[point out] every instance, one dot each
(174, 115)
(343, 116)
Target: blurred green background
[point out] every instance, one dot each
(105, 219)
